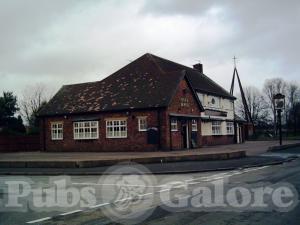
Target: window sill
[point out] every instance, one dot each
(116, 137)
(85, 139)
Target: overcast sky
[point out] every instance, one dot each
(67, 41)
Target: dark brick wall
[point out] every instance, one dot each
(217, 140)
(135, 141)
(183, 91)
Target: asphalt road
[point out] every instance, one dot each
(159, 168)
(144, 199)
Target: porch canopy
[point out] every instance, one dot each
(184, 115)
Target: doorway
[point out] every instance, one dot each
(185, 134)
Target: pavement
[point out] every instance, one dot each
(96, 159)
(224, 157)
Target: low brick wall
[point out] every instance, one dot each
(217, 140)
(14, 143)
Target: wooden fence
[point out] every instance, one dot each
(14, 143)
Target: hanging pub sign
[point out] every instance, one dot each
(279, 101)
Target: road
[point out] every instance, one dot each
(148, 197)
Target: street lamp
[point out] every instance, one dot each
(279, 104)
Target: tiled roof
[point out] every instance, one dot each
(199, 81)
(147, 82)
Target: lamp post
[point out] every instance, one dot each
(279, 104)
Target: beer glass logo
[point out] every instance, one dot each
(130, 190)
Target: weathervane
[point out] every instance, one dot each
(234, 61)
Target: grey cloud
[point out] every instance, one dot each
(171, 7)
(263, 29)
(61, 42)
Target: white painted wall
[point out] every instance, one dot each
(206, 128)
(226, 105)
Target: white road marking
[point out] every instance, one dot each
(99, 205)
(39, 220)
(258, 168)
(163, 190)
(72, 212)
(145, 194)
(222, 175)
(123, 185)
(206, 177)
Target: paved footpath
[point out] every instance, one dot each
(250, 147)
(90, 162)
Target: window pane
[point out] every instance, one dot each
(84, 130)
(57, 131)
(116, 128)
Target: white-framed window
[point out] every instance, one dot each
(86, 130)
(229, 128)
(194, 125)
(216, 127)
(174, 126)
(142, 123)
(57, 131)
(116, 128)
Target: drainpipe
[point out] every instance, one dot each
(44, 135)
(171, 147)
(159, 127)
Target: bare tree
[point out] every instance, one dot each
(257, 106)
(271, 88)
(33, 98)
(293, 97)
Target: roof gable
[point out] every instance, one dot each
(198, 80)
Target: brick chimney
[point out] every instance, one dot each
(198, 67)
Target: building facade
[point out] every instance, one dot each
(150, 104)
(217, 124)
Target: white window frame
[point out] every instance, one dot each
(194, 125)
(216, 127)
(142, 123)
(116, 126)
(83, 130)
(174, 124)
(229, 127)
(55, 128)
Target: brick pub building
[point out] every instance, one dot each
(150, 104)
